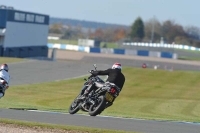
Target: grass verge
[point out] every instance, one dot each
(147, 94)
(189, 58)
(10, 60)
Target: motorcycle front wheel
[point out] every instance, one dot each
(98, 107)
(75, 106)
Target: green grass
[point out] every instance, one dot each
(191, 51)
(10, 60)
(109, 45)
(147, 94)
(189, 58)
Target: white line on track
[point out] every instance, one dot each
(169, 121)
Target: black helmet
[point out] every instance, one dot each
(4, 67)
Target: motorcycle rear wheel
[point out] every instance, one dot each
(97, 108)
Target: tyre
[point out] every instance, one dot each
(75, 106)
(97, 108)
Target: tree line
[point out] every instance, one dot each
(152, 31)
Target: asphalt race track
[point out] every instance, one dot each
(37, 71)
(145, 126)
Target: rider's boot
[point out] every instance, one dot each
(86, 92)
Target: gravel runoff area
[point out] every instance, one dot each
(12, 128)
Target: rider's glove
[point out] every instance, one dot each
(91, 71)
(94, 72)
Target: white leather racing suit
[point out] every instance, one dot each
(4, 75)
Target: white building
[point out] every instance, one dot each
(23, 34)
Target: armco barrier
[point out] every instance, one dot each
(130, 52)
(62, 46)
(119, 51)
(81, 48)
(143, 53)
(107, 50)
(114, 51)
(95, 50)
(154, 54)
(166, 55)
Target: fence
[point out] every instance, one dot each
(159, 45)
(114, 51)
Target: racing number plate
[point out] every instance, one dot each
(109, 97)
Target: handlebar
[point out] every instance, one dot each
(91, 71)
(95, 67)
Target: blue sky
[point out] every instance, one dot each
(184, 12)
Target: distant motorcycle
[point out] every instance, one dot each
(101, 97)
(3, 86)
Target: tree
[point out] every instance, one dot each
(182, 40)
(170, 30)
(193, 32)
(108, 35)
(98, 34)
(68, 32)
(152, 31)
(73, 32)
(56, 28)
(137, 30)
(119, 34)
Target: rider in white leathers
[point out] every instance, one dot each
(4, 78)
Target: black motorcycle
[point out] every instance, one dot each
(101, 96)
